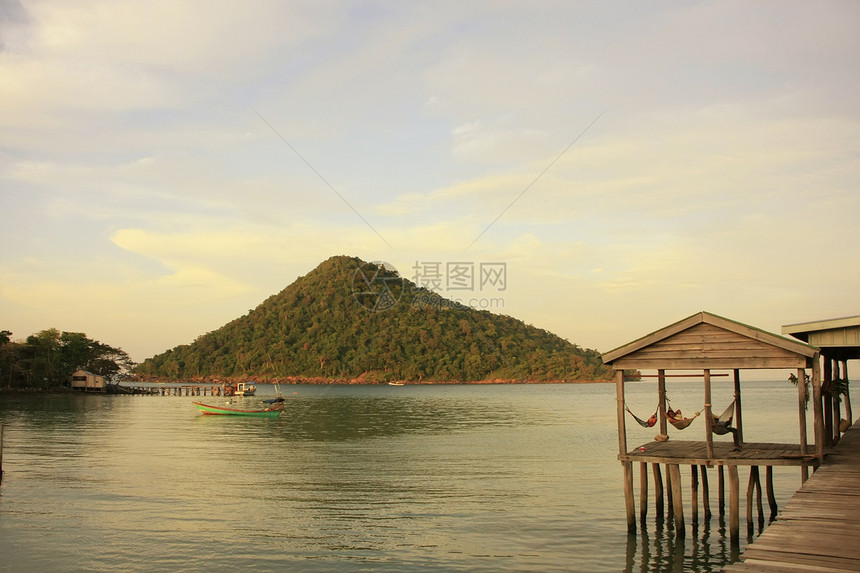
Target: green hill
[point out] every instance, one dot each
(349, 320)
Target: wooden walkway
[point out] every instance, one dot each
(819, 529)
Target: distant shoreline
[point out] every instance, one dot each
(360, 381)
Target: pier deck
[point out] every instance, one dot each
(818, 530)
(691, 452)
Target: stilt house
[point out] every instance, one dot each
(713, 346)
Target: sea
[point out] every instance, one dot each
(385, 478)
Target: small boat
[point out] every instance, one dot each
(271, 412)
(243, 389)
(396, 383)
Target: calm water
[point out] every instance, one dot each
(413, 478)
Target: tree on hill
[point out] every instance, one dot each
(347, 319)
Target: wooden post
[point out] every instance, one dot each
(755, 478)
(643, 491)
(802, 401)
(661, 391)
(771, 498)
(677, 500)
(828, 402)
(721, 490)
(818, 421)
(848, 412)
(694, 492)
(739, 418)
(670, 501)
(619, 399)
(629, 502)
(706, 494)
(750, 490)
(658, 491)
(734, 505)
(837, 410)
(709, 419)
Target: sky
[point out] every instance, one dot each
(165, 166)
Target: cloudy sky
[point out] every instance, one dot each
(166, 166)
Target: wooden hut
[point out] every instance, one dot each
(706, 343)
(839, 341)
(87, 381)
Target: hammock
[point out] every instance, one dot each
(649, 423)
(678, 421)
(722, 425)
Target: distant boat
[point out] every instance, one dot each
(243, 389)
(396, 383)
(272, 412)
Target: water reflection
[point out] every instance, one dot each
(665, 553)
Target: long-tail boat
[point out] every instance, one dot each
(271, 412)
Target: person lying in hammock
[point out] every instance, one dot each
(677, 419)
(722, 426)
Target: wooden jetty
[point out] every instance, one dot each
(188, 390)
(819, 527)
(705, 342)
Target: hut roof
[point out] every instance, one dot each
(706, 340)
(837, 337)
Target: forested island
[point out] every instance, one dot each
(347, 321)
(352, 321)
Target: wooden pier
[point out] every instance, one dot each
(819, 528)
(190, 390)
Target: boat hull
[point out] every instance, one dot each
(222, 411)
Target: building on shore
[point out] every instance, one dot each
(87, 381)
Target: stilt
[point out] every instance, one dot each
(802, 401)
(847, 398)
(658, 491)
(670, 509)
(837, 403)
(721, 490)
(734, 505)
(628, 497)
(677, 500)
(643, 492)
(706, 494)
(828, 402)
(817, 410)
(694, 492)
(771, 498)
(754, 488)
